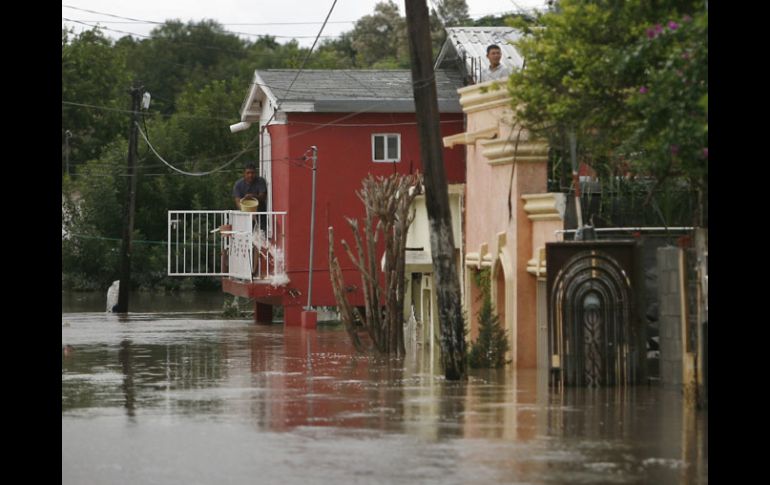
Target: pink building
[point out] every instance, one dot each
(508, 216)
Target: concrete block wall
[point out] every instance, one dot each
(669, 317)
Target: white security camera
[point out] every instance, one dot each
(243, 125)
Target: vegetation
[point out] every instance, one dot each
(197, 74)
(489, 349)
(388, 202)
(635, 90)
(630, 79)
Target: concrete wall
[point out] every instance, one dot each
(670, 316)
(503, 164)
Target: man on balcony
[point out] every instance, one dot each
(254, 186)
(251, 185)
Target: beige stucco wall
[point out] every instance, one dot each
(503, 166)
(421, 261)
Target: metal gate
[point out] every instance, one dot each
(594, 337)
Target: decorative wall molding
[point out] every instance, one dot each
(483, 96)
(469, 138)
(545, 207)
(505, 150)
(479, 259)
(536, 265)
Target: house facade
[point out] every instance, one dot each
(508, 214)
(360, 122)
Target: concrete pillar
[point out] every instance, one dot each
(263, 313)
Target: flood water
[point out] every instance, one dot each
(190, 398)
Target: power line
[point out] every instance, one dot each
(245, 53)
(246, 24)
(303, 63)
(237, 23)
(151, 113)
(104, 108)
(194, 174)
(311, 48)
(316, 127)
(102, 238)
(97, 22)
(364, 125)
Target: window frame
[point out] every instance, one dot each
(385, 136)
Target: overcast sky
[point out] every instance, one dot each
(236, 14)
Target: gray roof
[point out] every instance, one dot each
(346, 90)
(471, 43)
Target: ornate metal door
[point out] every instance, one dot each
(593, 337)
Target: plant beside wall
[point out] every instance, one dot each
(231, 309)
(489, 349)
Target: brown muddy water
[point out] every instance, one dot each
(175, 398)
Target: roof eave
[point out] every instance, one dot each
(252, 107)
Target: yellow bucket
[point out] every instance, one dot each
(249, 204)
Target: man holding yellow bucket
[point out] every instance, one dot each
(250, 188)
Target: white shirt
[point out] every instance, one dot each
(501, 73)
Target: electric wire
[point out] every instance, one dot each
(194, 174)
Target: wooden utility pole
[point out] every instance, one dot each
(67, 136)
(128, 207)
(436, 196)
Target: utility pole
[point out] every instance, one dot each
(67, 136)
(436, 196)
(128, 208)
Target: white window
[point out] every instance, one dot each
(386, 147)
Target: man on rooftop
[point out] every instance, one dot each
(495, 71)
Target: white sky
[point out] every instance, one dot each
(233, 12)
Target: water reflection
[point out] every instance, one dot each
(291, 391)
(126, 361)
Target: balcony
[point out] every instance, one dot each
(242, 245)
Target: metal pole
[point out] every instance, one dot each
(312, 232)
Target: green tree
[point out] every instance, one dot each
(177, 54)
(489, 349)
(669, 122)
(91, 217)
(93, 74)
(338, 53)
(380, 39)
(453, 12)
(589, 68)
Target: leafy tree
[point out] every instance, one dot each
(453, 12)
(177, 54)
(92, 220)
(380, 39)
(93, 74)
(338, 53)
(499, 20)
(590, 66)
(197, 74)
(669, 127)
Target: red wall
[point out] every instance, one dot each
(344, 159)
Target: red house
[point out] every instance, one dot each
(361, 122)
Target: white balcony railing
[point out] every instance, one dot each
(245, 245)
